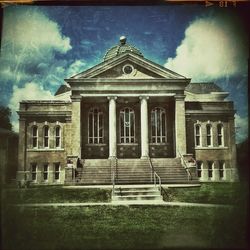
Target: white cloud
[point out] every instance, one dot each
(241, 124)
(212, 48)
(29, 43)
(76, 67)
(30, 91)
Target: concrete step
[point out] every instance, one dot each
(137, 197)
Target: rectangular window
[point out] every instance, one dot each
(33, 171)
(45, 171)
(199, 169)
(34, 136)
(209, 135)
(46, 136)
(220, 134)
(95, 126)
(58, 137)
(197, 135)
(57, 170)
(221, 169)
(210, 169)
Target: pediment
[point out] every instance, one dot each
(128, 66)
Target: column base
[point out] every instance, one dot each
(144, 157)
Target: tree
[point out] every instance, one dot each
(5, 114)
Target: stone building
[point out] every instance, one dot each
(128, 117)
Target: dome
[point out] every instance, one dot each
(121, 48)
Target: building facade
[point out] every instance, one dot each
(128, 110)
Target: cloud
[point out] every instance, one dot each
(30, 91)
(30, 41)
(213, 47)
(76, 67)
(241, 124)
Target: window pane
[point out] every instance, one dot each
(46, 131)
(153, 122)
(58, 142)
(34, 131)
(57, 131)
(132, 123)
(90, 125)
(163, 123)
(46, 142)
(122, 123)
(34, 142)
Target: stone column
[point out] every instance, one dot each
(22, 147)
(112, 126)
(76, 126)
(144, 127)
(180, 125)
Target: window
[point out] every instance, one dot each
(57, 170)
(199, 169)
(34, 136)
(198, 135)
(221, 169)
(46, 136)
(127, 125)
(33, 171)
(95, 126)
(58, 136)
(220, 135)
(209, 135)
(45, 171)
(158, 125)
(210, 169)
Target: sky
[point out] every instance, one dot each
(43, 45)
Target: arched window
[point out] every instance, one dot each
(46, 136)
(199, 169)
(34, 137)
(197, 134)
(220, 136)
(209, 134)
(95, 126)
(158, 125)
(221, 169)
(210, 169)
(127, 125)
(58, 136)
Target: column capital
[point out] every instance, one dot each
(179, 97)
(143, 97)
(111, 97)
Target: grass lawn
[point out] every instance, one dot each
(106, 227)
(214, 193)
(53, 194)
(123, 228)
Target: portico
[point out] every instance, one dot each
(124, 126)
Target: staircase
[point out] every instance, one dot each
(133, 171)
(95, 172)
(134, 194)
(170, 170)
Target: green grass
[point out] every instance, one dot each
(53, 194)
(123, 228)
(213, 193)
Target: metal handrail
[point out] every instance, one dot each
(156, 176)
(114, 167)
(184, 164)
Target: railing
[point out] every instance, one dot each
(184, 164)
(113, 173)
(154, 175)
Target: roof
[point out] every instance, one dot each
(121, 48)
(203, 88)
(62, 89)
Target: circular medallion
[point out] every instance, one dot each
(127, 69)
